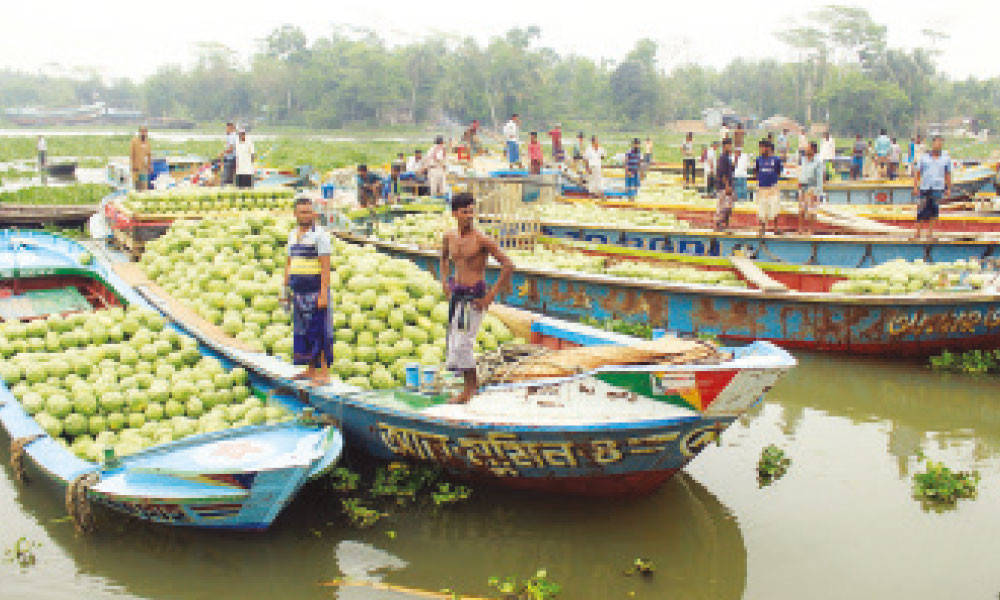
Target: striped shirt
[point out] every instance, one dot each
(633, 160)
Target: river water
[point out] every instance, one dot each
(841, 524)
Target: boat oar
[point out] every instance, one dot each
(387, 587)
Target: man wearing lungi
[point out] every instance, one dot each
(468, 298)
(307, 276)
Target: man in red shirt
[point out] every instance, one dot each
(557, 149)
(535, 154)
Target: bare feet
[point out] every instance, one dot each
(321, 381)
(462, 398)
(303, 375)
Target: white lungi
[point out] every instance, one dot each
(768, 203)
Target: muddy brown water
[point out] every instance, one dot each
(842, 522)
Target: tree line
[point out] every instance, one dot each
(843, 71)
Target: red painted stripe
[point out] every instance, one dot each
(711, 383)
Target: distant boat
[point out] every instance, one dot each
(62, 169)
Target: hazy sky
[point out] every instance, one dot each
(131, 39)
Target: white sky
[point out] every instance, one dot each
(130, 39)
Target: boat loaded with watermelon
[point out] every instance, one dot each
(89, 369)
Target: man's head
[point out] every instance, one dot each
(727, 145)
(738, 152)
(784, 131)
(143, 133)
(857, 136)
(765, 147)
(400, 156)
(715, 145)
(534, 136)
(230, 127)
(558, 126)
(516, 118)
(690, 136)
(418, 153)
(305, 215)
(362, 170)
(811, 150)
(919, 139)
(593, 141)
(883, 131)
(893, 140)
(463, 209)
(739, 126)
(243, 134)
(635, 143)
(438, 140)
(826, 135)
(937, 144)
(579, 135)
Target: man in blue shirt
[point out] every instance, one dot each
(931, 183)
(633, 163)
(768, 167)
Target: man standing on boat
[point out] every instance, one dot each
(741, 172)
(535, 154)
(229, 155)
(810, 188)
(724, 182)
(827, 154)
(307, 279)
(437, 166)
(739, 135)
(931, 183)
(468, 298)
(510, 132)
(140, 159)
(710, 159)
(245, 155)
(633, 165)
(895, 158)
(555, 134)
(883, 144)
(593, 159)
(858, 157)
(782, 142)
(687, 158)
(768, 168)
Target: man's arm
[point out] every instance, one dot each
(324, 281)
(916, 179)
(506, 270)
(443, 263)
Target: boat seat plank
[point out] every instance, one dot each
(756, 276)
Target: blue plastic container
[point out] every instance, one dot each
(427, 375)
(159, 167)
(413, 375)
(327, 190)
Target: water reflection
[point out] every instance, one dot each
(585, 545)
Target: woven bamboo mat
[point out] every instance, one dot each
(133, 275)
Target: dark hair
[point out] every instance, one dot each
(439, 140)
(462, 200)
(303, 201)
(727, 141)
(418, 151)
(362, 167)
(534, 134)
(514, 116)
(938, 137)
(636, 141)
(813, 146)
(593, 138)
(229, 124)
(883, 131)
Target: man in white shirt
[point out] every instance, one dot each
(415, 163)
(42, 149)
(827, 153)
(593, 158)
(711, 156)
(245, 155)
(437, 164)
(803, 144)
(510, 131)
(741, 172)
(229, 154)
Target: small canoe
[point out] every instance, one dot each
(236, 478)
(805, 315)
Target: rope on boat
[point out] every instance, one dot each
(17, 447)
(78, 505)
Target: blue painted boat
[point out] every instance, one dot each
(603, 431)
(967, 182)
(233, 479)
(803, 315)
(823, 250)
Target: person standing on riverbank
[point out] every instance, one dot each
(229, 155)
(468, 297)
(555, 134)
(931, 184)
(140, 159)
(42, 150)
(307, 279)
(810, 188)
(768, 168)
(687, 158)
(437, 167)
(245, 157)
(510, 135)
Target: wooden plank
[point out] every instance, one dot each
(756, 276)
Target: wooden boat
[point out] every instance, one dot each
(232, 479)
(602, 431)
(62, 169)
(45, 214)
(843, 250)
(788, 305)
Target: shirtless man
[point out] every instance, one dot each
(467, 295)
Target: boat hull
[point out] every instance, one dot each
(871, 325)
